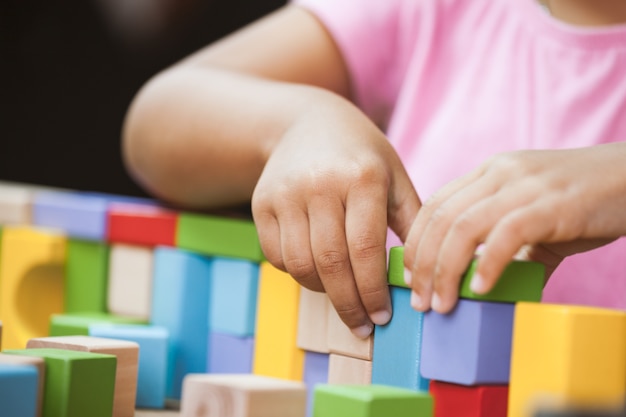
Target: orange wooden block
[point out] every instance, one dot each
(39, 363)
(127, 354)
(347, 370)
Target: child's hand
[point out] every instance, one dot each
(541, 205)
(322, 204)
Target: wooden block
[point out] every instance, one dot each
(571, 355)
(316, 367)
(347, 370)
(15, 204)
(395, 270)
(229, 354)
(78, 324)
(370, 401)
(469, 346)
(313, 321)
(141, 225)
(153, 358)
(127, 354)
(234, 290)
(18, 390)
(452, 400)
(39, 365)
(520, 281)
(343, 342)
(214, 395)
(31, 283)
(180, 304)
(276, 353)
(130, 280)
(86, 276)
(219, 236)
(78, 384)
(397, 345)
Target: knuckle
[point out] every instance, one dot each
(351, 314)
(367, 246)
(439, 216)
(301, 269)
(331, 263)
(464, 224)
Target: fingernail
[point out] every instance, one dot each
(407, 277)
(478, 284)
(363, 332)
(435, 303)
(416, 300)
(381, 317)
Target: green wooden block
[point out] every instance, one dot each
(78, 324)
(395, 274)
(370, 401)
(77, 384)
(219, 236)
(86, 276)
(520, 281)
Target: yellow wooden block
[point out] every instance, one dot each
(566, 354)
(31, 283)
(275, 353)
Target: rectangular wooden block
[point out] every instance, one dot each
(219, 236)
(567, 355)
(31, 283)
(469, 346)
(130, 280)
(153, 358)
(146, 225)
(229, 354)
(78, 384)
(39, 365)
(86, 276)
(242, 396)
(397, 345)
(276, 353)
(15, 204)
(395, 269)
(78, 324)
(316, 367)
(347, 370)
(18, 390)
(313, 321)
(452, 400)
(370, 401)
(234, 290)
(180, 304)
(343, 342)
(127, 354)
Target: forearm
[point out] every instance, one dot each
(200, 136)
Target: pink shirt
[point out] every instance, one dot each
(455, 81)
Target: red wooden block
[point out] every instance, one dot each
(141, 225)
(452, 400)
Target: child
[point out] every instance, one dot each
(290, 113)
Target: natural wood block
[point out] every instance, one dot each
(343, 342)
(244, 395)
(127, 354)
(15, 204)
(41, 373)
(347, 370)
(130, 280)
(313, 321)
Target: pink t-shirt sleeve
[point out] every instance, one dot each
(374, 38)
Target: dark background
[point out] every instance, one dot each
(68, 71)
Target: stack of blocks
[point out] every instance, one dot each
(110, 303)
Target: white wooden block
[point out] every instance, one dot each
(15, 204)
(241, 395)
(346, 370)
(313, 321)
(130, 280)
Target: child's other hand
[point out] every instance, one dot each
(541, 205)
(322, 205)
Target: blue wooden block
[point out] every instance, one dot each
(397, 345)
(180, 303)
(234, 285)
(469, 346)
(153, 356)
(18, 390)
(79, 215)
(229, 354)
(315, 372)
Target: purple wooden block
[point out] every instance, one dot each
(229, 354)
(315, 372)
(469, 346)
